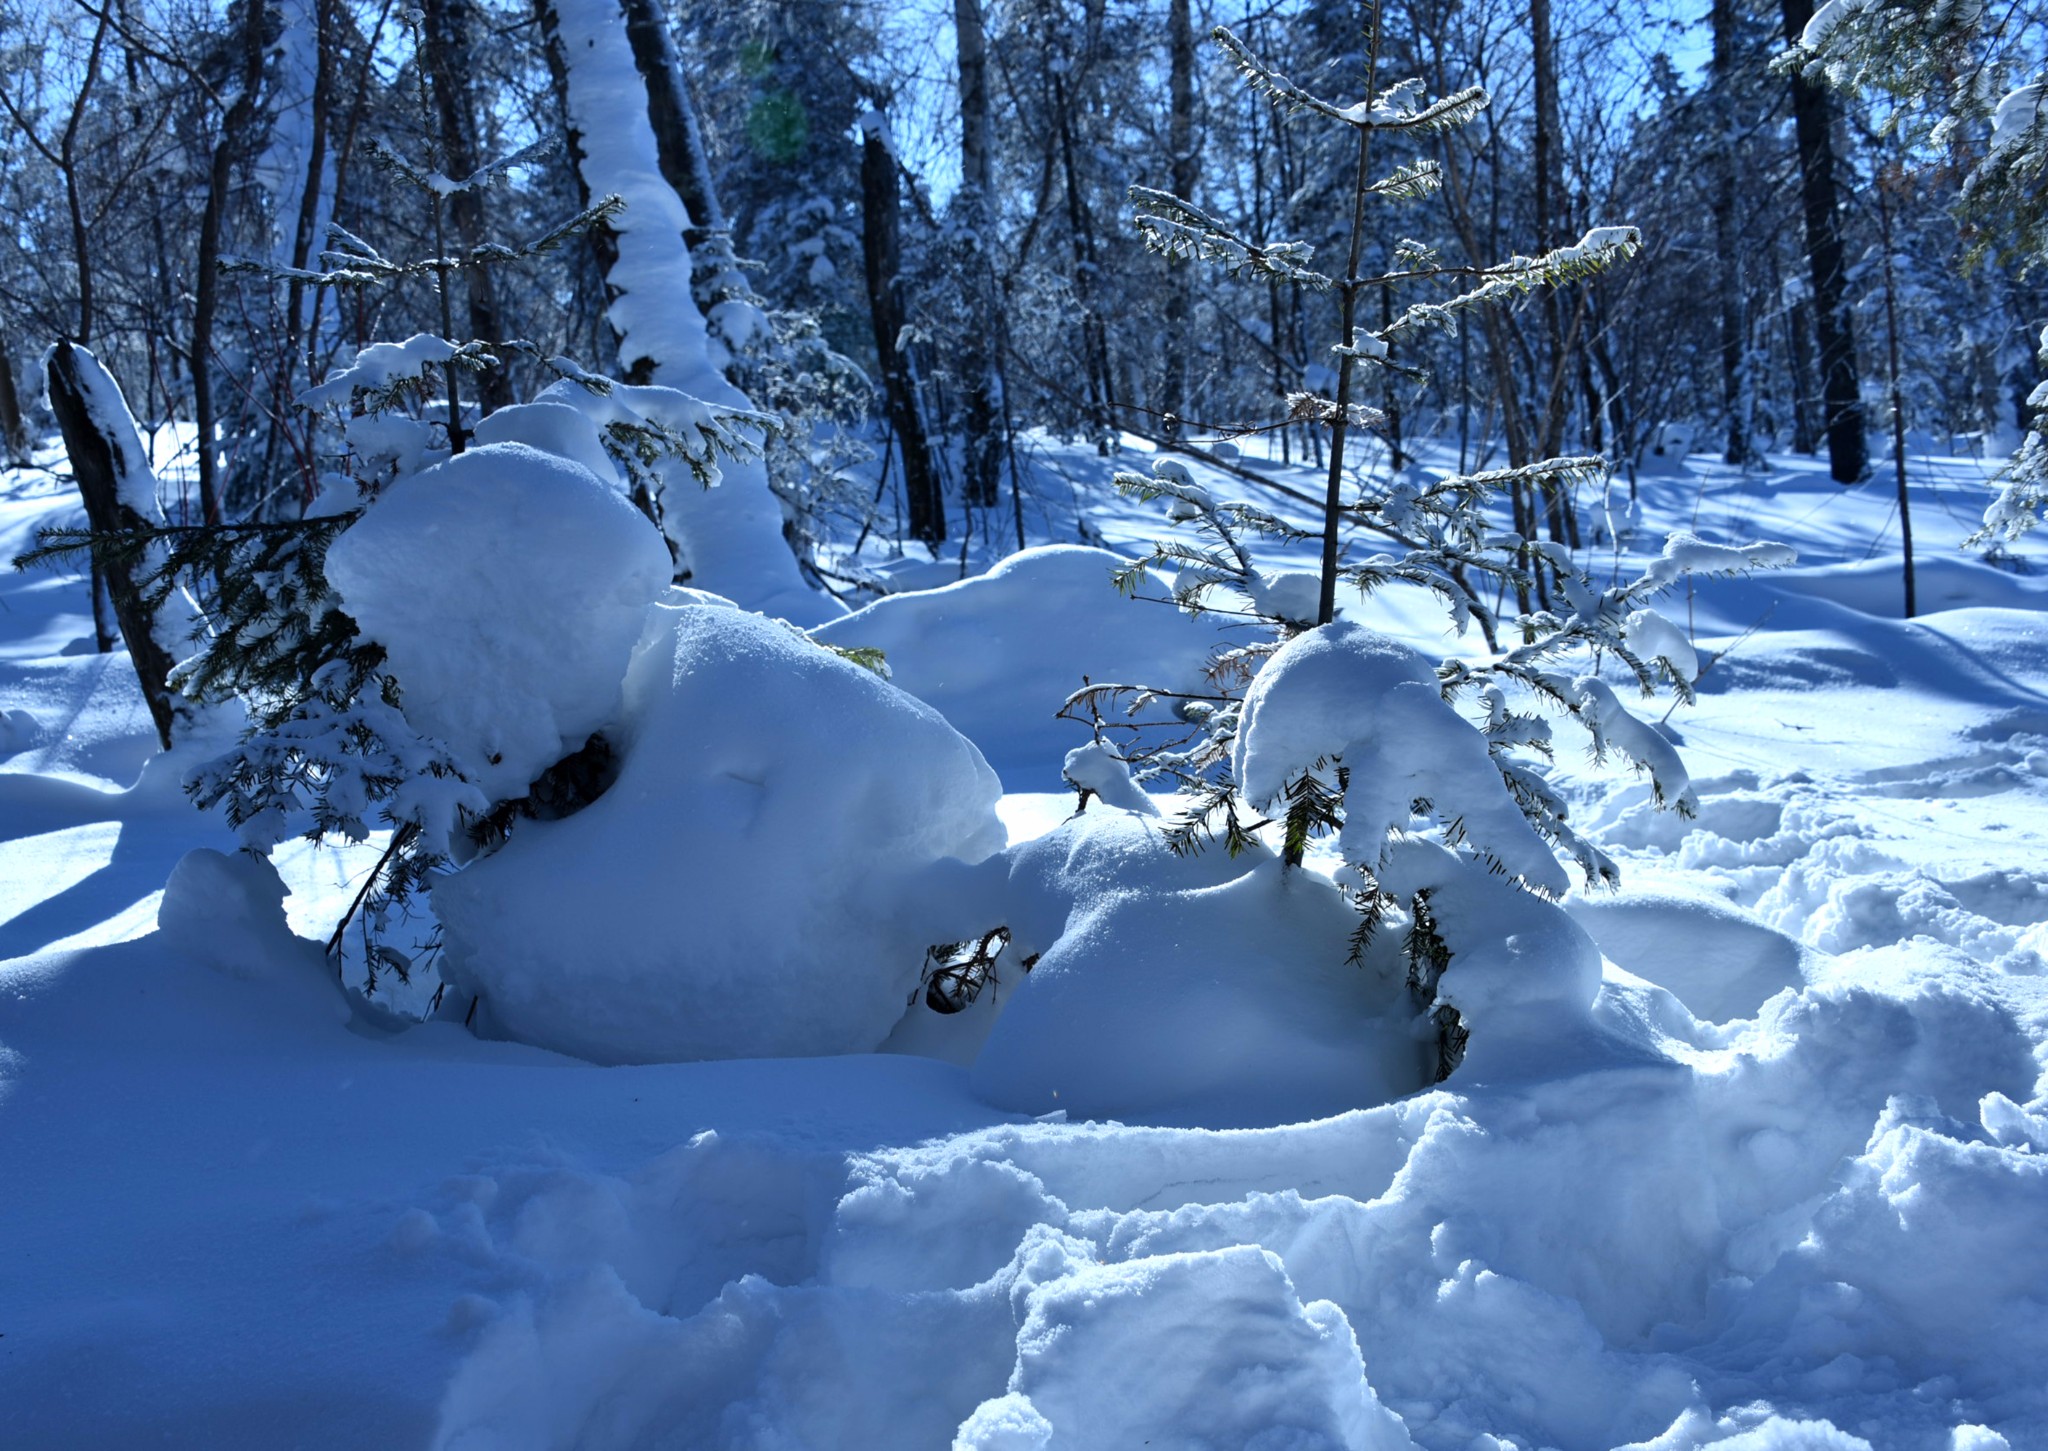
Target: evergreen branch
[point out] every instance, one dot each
(1269, 83)
(1174, 227)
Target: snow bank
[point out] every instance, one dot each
(998, 654)
(750, 885)
(508, 586)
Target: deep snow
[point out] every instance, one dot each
(1783, 1192)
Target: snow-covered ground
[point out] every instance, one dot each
(1789, 1197)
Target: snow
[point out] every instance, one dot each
(2018, 115)
(1350, 696)
(752, 885)
(508, 588)
(379, 366)
(998, 653)
(1748, 1155)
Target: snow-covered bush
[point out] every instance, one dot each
(752, 885)
(1341, 730)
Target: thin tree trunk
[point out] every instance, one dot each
(445, 30)
(1727, 265)
(1186, 172)
(1893, 377)
(227, 148)
(1841, 400)
(977, 196)
(881, 206)
(14, 437)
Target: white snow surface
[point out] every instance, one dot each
(996, 654)
(753, 883)
(508, 587)
(1752, 1155)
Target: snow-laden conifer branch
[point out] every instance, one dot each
(1390, 110)
(1177, 228)
(1593, 253)
(1412, 182)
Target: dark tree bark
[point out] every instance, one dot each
(445, 31)
(977, 194)
(1841, 399)
(228, 147)
(14, 439)
(678, 138)
(97, 464)
(881, 207)
(1186, 162)
(1727, 265)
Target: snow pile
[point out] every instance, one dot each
(1203, 991)
(751, 883)
(228, 912)
(508, 587)
(999, 653)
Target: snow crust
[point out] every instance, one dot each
(750, 886)
(509, 587)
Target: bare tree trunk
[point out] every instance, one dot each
(445, 30)
(97, 465)
(1841, 399)
(1187, 165)
(1727, 266)
(881, 206)
(977, 195)
(227, 147)
(14, 437)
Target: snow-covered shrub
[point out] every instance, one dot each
(753, 882)
(1341, 730)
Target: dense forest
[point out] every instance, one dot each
(910, 226)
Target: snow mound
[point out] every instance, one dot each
(1205, 992)
(508, 587)
(750, 884)
(1715, 958)
(997, 654)
(228, 912)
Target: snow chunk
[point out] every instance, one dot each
(379, 366)
(508, 586)
(1231, 1357)
(1095, 767)
(751, 884)
(1291, 595)
(1344, 694)
(2017, 118)
(228, 912)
